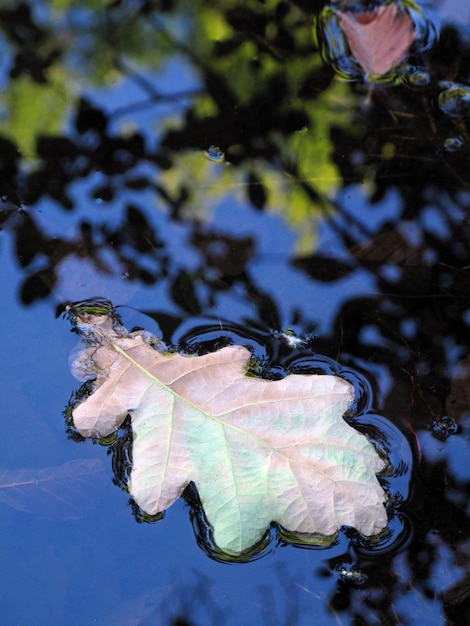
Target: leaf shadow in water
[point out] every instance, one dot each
(58, 493)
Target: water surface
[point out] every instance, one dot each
(210, 171)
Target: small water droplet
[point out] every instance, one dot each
(453, 144)
(419, 78)
(289, 337)
(443, 427)
(350, 575)
(125, 275)
(454, 101)
(214, 153)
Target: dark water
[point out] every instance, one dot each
(226, 173)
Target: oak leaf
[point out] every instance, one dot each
(258, 451)
(379, 39)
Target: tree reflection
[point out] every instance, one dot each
(295, 141)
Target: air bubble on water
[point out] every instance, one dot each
(453, 144)
(443, 427)
(454, 101)
(350, 575)
(419, 78)
(289, 337)
(214, 153)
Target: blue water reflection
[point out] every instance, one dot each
(194, 270)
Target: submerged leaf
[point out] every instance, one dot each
(401, 250)
(379, 39)
(258, 451)
(58, 492)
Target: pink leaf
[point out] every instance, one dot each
(379, 39)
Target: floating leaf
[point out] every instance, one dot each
(379, 39)
(59, 492)
(258, 451)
